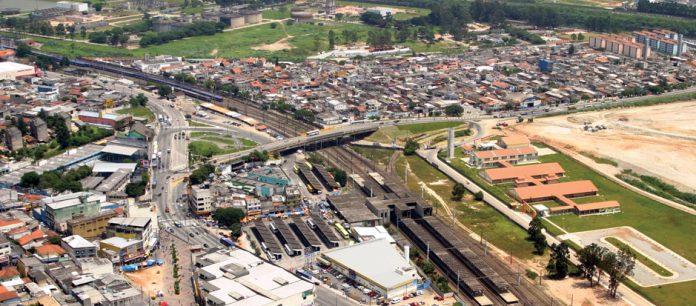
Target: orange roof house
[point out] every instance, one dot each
(515, 141)
(552, 191)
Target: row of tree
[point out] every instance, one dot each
(197, 28)
(57, 181)
(667, 8)
(42, 27)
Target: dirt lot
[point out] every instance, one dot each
(276, 46)
(655, 140)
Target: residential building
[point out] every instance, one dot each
(237, 277)
(513, 142)
(620, 45)
(133, 228)
(91, 227)
(59, 209)
(662, 41)
(78, 247)
(390, 274)
(39, 130)
(50, 253)
(13, 139)
(121, 250)
(201, 201)
(533, 174)
(11, 224)
(5, 249)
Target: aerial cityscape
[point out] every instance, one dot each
(363, 152)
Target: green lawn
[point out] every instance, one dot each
(378, 155)
(667, 295)
(140, 111)
(639, 257)
(499, 191)
(664, 224)
(197, 124)
(399, 133)
(277, 13)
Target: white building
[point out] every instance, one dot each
(73, 6)
(363, 234)
(237, 277)
(78, 247)
(201, 201)
(12, 70)
(389, 274)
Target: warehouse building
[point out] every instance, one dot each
(13, 71)
(389, 274)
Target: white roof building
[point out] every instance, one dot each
(372, 233)
(239, 278)
(389, 274)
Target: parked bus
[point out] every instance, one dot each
(306, 276)
(313, 133)
(227, 242)
(273, 227)
(341, 230)
(310, 223)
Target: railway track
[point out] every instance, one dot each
(342, 157)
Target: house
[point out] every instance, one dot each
(9, 225)
(490, 158)
(35, 239)
(141, 132)
(50, 253)
(513, 142)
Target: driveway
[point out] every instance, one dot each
(682, 269)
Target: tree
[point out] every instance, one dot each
(274, 25)
(163, 90)
(590, 258)
(428, 267)
(535, 227)
(458, 191)
(332, 39)
(23, 50)
(454, 110)
(60, 29)
(478, 196)
(228, 216)
(573, 36)
(22, 126)
(618, 266)
(30, 179)
(83, 32)
(571, 49)
(135, 190)
(304, 115)
(62, 132)
(581, 37)
(339, 176)
(410, 147)
(98, 6)
(559, 262)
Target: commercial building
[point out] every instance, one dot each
(73, 6)
(251, 16)
(237, 278)
(12, 70)
(491, 158)
(389, 274)
(13, 139)
(132, 228)
(232, 20)
(201, 201)
(59, 209)
(78, 247)
(662, 41)
(363, 234)
(115, 182)
(104, 120)
(92, 226)
(121, 250)
(525, 175)
(620, 45)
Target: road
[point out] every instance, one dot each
(330, 297)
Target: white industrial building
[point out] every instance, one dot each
(12, 70)
(73, 6)
(390, 274)
(237, 277)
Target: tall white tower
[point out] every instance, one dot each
(450, 143)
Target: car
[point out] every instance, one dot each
(205, 245)
(192, 235)
(395, 300)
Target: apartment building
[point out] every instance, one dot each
(662, 41)
(620, 45)
(201, 201)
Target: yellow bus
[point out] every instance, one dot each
(341, 230)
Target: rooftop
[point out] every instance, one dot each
(390, 269)
(506, 173)
(502, 153)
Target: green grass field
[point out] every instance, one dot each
(141, 111)
(197, 124)
(399, 133)
(277, 13)
(211, 144)
(639, 257)
(664, 224)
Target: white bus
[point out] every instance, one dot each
(313, 133)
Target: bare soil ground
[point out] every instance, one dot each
(151, 279)
(656, 140)
(276, 46)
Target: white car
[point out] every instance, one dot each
(395, 300)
